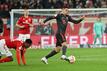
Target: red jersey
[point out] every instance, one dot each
(23, 21)
(14, 44)
(20, 51)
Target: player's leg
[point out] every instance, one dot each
(52, 53)
(55, 51)
(0, 55)
(64, 48)
(63, 44)
(95, 39)
(5, 51)
(100, 39)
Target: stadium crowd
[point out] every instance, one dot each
(51, 4)
(7, 5)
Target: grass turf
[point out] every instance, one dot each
(87, 59)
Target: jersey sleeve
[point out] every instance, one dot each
(50, 18)
(74, 21)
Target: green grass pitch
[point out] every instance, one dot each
(87, 59)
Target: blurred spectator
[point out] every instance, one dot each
(48, 30)
(47, 4)
(16, 4)
(103, 4)
(57, 3)
(89, 4)
(51, 4)
(39, 29)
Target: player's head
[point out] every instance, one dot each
(26, 12)
(65, 10)
(27, 43)
(98, 18)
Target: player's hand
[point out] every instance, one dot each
(22, 26)
(41, 23)
(83, 17)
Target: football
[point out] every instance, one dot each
(72, 59)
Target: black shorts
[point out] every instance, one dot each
(60, 38)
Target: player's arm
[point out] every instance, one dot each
(74, 21)
(18, 55)
(49, 18)
(23, 56)
(29, 22)
(18, 23)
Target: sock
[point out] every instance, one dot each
(52, 53)
(64, 48)
(7, 59)
(95, 40)
(0, 57)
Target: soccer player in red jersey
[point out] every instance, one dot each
(18, 45)
(24, 24)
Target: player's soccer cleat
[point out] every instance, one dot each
(64, 57)
(44, 60)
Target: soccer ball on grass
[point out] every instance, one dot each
(72, 59)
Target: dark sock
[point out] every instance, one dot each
(52, 53)
(0, 57)
(64, 48)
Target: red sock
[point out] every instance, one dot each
(7, 59)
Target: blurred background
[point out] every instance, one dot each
(6, 6)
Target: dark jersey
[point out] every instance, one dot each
(62, 21)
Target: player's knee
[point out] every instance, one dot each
(11, 58)
(64, 44)
(57, 50)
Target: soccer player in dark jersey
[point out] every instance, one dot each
(62, 22)
(18, 45)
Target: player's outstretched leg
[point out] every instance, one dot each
(7, 59)
(45, 59)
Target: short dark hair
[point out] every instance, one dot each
(28, 41)
(65, 6)
(25, 6)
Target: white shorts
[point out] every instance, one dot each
(4, 49)
(23, 37)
